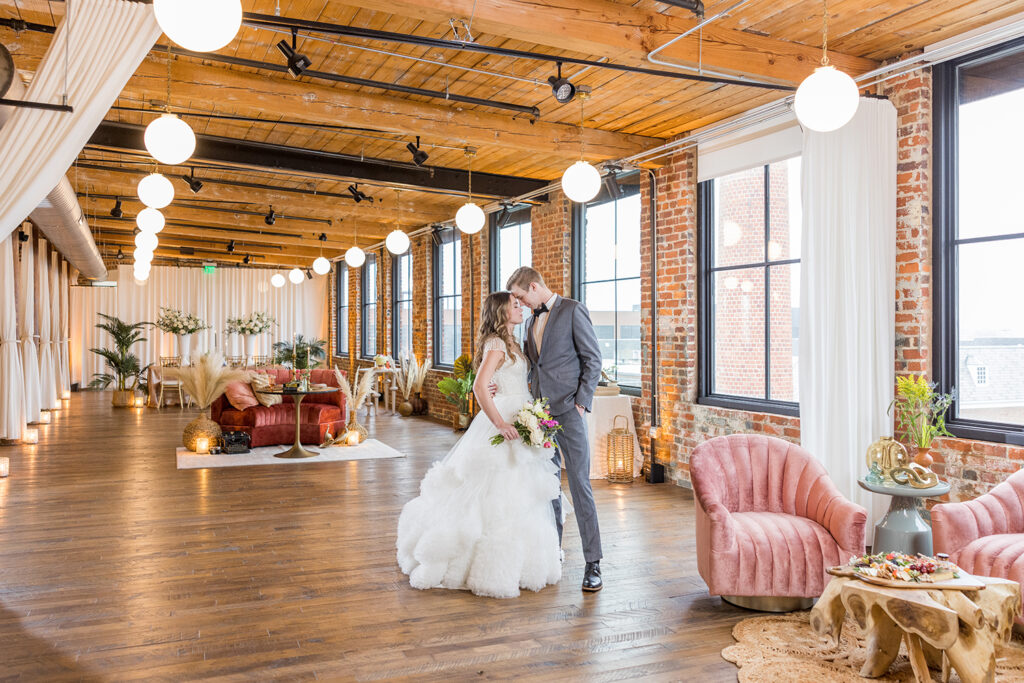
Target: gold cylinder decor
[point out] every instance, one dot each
(620, 452)
(885, 455)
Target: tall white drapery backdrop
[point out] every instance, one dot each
(213, 297)
(847, 301)
(12, 402)
(48, 396)
(27, 328)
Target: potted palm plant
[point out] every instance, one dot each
(458, 389)
(124, 368)
(301, 353)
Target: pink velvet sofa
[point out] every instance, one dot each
(769, 521)
(985, 536)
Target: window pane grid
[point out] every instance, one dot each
(448, 299)
(368, 292)
(402, 309)
(341, 314)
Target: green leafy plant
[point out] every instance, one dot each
(302, 355)
(920, 410)
(459, 388)
(123, 365)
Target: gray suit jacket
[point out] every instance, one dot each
(569, 366)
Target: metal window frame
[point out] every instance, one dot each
(706, 271)
(517, 217)
(448, 235)
(371, 259)
(340, 321)
(396, 326)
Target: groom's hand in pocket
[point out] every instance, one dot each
(581, 409)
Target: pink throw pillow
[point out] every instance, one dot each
(240, 395)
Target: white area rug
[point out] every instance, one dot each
(371, 449)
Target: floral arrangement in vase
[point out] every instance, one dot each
(921, 414)
(382, 361)
(257, 323)
(177, 322)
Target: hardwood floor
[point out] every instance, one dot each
(114, 565)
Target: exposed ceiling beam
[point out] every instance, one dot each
(619, 32)
(258, 154)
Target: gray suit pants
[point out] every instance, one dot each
(574, 447)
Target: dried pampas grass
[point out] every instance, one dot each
(355, 393)
(416, 375)
(207, 379)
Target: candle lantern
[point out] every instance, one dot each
(44, 417)
(203, 445)
(65, 395)
(620, 452)
(5, 467)
(140, 401)
(30, 435)
(352, 438)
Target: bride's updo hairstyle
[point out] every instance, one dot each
(494, 323)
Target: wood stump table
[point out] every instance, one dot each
(942, 628)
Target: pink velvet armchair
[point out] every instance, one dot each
(769, 521)
(985, 536)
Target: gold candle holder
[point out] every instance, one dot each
(203, 445)
(5, 467)
(30, 435)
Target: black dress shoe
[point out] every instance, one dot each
(592, 577)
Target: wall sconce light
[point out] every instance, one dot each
(30, 435)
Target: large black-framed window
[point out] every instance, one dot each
(511, 244)
(606, 276)
(401, 305)
(341, 306)
(979, 241)
(447, 297)
(749, 289)
(368, 307)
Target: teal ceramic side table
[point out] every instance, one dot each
(903, 529)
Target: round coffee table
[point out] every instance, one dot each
(297, 451)
(903, 529)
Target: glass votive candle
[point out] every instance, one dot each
(30, 435)
(5, 467)
(44, 417)
(352, 438)
(140, 401)
(203, 445)
(65, 395)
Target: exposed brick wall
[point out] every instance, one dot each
(552, 242)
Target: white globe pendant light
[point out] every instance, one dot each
(355, 257)
(581, 182)
(199, 25)
(156, 191)
(826, 100)
(142, 256)
(296, 276)
(277, 280)
(470, 218)
(141, 270)
(397, 242)
(169, 139)
(150, 220)
(146, 241)
(321, 266)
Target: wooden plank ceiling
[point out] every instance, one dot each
(763, 40)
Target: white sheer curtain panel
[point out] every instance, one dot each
(95, 50)
(58, 362)
(65, 358)
(847, 298)
(12, 403)
(27, 328)
(213, 297)
(47, 362)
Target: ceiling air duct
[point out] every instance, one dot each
(59, 216)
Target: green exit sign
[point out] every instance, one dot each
(209, 269)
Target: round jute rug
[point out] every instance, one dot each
(782, 647)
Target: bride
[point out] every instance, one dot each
(483, 520)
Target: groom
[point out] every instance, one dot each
(565, 365)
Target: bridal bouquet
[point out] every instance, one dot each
(534, 424)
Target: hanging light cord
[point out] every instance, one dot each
(824, 35)
(582, 100)
(470, 155)
(167, 106)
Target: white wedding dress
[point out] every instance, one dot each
(483, 520)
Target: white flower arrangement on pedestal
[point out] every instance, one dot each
(257, 323)
(177, 322)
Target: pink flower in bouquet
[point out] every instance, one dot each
(548, 444)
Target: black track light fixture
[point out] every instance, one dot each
(194, 184)
(505, 214)
(22, 236)
(561, 88)
(231, 246)
(271, 217)
(358, 194)
(419, 157)
(611, 182)
(116, 212)
(246, 259)
(120, 254)
(309, 273)
(297, 63)
(695, 6)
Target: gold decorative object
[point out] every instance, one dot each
(333, 440)
(887, 454)
(356, 433)
(5, 467)
(200, 428)
(620, 452)
(123, 399)
(915, 475)
(30, 435)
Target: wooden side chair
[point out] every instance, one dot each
(165, 383)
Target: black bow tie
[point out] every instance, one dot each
(543, 308)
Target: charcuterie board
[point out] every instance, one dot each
(965, 582)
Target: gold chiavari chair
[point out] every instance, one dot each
(235, 361)
(168, 383)
(260, 361)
